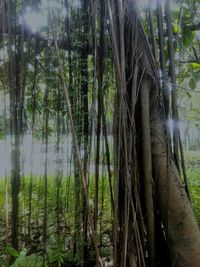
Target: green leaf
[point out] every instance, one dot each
(175, 28)
(196, 75)
(12, 252)
(57, 255)
(188, 37)
(28, 261)
(195, 65)
(188, 94)
(192, 83)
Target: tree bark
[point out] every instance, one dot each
(172, 74)
(147, 170)
(181, 229)
(179, 225)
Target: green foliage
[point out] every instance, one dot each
(193, 173)
(188, 36)
(27, 261)
(57, 255)
(60, 238)
(12, 252)
(195, 65)
(175, 28)
(39, 102)
(192, 83)
(61, 204)
(42, 132)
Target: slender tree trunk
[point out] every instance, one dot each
(32, 133)
(162, 66)
(14, 69)
(172, 74)
(152, 31)
(84, 113)
(98, 86)
(45, 183)
(78, 158)
(147, 170)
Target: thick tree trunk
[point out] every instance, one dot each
(177, 219)
(180, 226)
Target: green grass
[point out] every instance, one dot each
(57, 244)
(193, 173)
(192, 155)
(66, 199)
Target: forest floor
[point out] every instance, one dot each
(192, 159)
(60, 216)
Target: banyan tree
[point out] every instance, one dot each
(152, 220)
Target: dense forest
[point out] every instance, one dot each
(100, 133)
